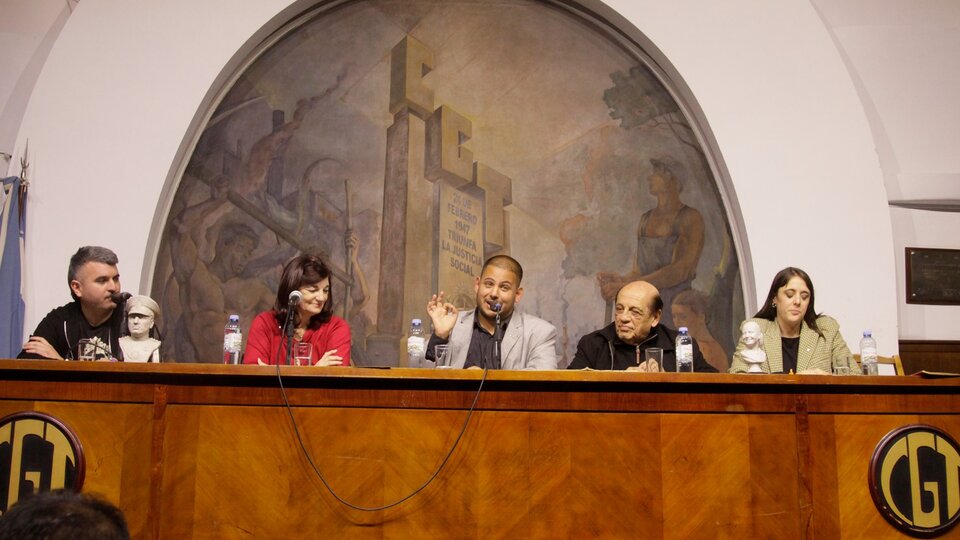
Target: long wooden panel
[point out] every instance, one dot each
(204, 451)
(930, 355)
(116, 442)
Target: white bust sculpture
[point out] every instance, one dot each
(140, 345)
(753, 353)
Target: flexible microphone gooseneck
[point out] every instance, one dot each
(497, 333)
(292, 302)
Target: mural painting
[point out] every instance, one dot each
(407, 141)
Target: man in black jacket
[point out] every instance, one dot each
(636, 327)
(93, 315)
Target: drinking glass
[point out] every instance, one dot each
(841, 366)
(303, 353)
(86, 350)
(441, 355)
(655, 354)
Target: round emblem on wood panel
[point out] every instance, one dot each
(37, 453)
(915, 480)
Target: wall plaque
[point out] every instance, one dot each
(933, 276)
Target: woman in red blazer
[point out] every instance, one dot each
(313, 319)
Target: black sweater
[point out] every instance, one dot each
(604, 350)
(64, 326)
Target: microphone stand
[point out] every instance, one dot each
(497, 340)
(288, 334)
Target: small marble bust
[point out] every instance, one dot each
(141, 345)
(752, 353)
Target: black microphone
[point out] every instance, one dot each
(497, 335)
(294, 299)
(120, 297)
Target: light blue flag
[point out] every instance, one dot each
(13, 221)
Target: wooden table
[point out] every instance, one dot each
(209, 451)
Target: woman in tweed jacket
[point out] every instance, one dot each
(795, 337)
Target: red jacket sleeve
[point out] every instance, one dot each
(260, 341)
(336, 337)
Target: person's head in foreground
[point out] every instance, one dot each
(63, 515)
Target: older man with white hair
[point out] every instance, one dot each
(636, 327)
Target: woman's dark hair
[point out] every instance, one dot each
(769, 311)
(302, 270)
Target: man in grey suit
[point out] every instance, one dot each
(528, 342)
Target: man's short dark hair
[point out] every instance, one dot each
(505, 262)
(88, 254)
(63, 515)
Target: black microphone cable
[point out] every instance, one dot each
(326, 484)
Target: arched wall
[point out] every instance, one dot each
(124, 82)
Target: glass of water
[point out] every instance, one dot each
(441, 355)
(841, 366)
(653, 359)
(86, 350)
(303, 353)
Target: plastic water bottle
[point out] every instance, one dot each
(416, 345)
(232, 340)
(684, 351)
(868, 353)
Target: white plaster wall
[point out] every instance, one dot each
(28, 29)
(796, 143)
(903, 56)
(125, 80)
(917, 228)
(105, 121)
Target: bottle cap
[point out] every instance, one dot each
(234, 318)
(416, 322)
(683, 329)
(868, 333)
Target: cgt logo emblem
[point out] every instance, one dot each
(37, 453)
(915, 480)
